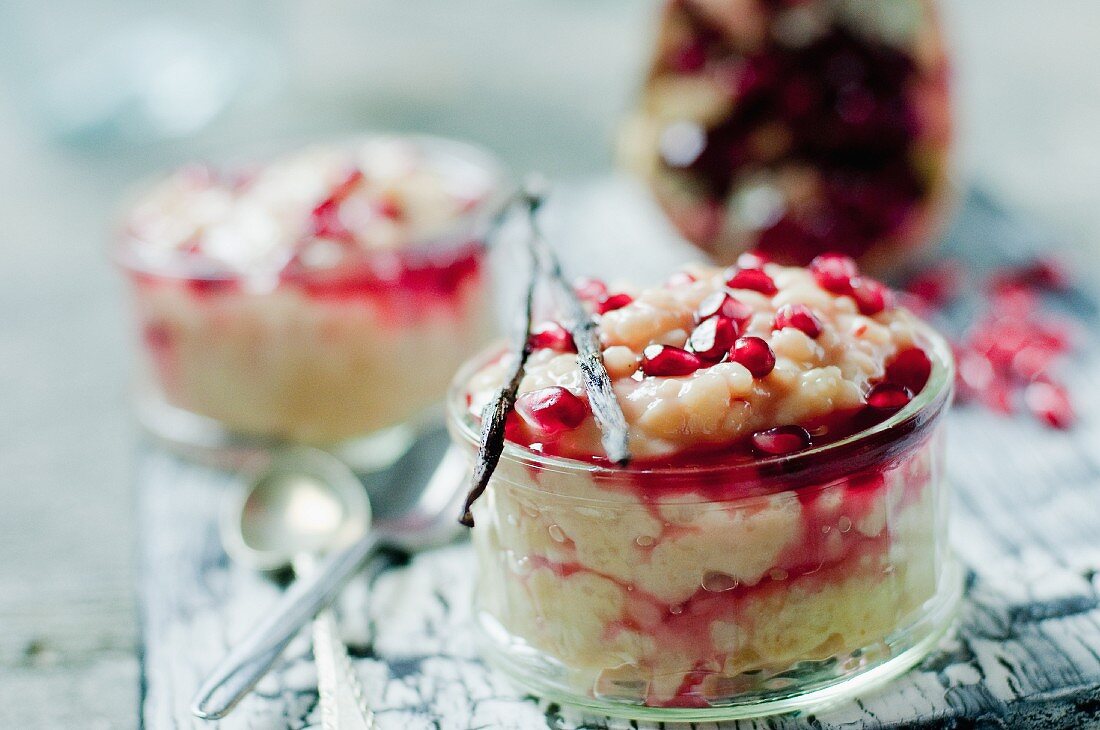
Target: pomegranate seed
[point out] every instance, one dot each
(752, 260)
(755, 354)
(552, 410)
(1054, 336)
(325, 217)
(751, 279)
(668, 360)
(781, 440)
(341, 192)
(834, 272)
(326, 223)
(513, 430)
(918, 306)
(1014, 302)
(889, 396)
(590, 290)
(1050, 403)
(713, 338)
(1048, 273)
(721, 303)
(613, 302)
(800, 317)
(910, 368)
(975, 373)
(1033, 361)
(871, 296)
(999, 396)
(1000, 340)
(552, 336)
(937, 285)
(1044, 274)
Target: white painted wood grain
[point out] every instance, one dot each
(1026, 652)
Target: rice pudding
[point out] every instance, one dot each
(278, 302)
(781, 528)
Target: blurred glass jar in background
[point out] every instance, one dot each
(326, 297)
(795, 127)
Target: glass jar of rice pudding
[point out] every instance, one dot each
(325, 297)
(779, 540)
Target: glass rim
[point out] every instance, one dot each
(125, 248)
(863, 448)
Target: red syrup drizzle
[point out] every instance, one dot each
(686, 626)
(689, 693)
(404, 285)
(699, 472)
(845, 104)
(408, 285)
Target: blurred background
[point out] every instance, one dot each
(98, 94)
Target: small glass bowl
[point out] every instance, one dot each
(719, 592)
(352, 358)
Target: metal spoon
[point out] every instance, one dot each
(302, 475)
(306, 503)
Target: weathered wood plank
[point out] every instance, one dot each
(1026, 653)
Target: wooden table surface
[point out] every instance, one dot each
(68, 632)
(1024, 653)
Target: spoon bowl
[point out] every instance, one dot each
(305, 502)
(277, 529)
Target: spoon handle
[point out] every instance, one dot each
(343, 706)
(254, 656)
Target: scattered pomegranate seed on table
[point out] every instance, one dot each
(938, 284)
(1050, 402)
(1041, 274)
(1007, 356)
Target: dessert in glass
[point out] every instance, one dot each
(778, 540)
(325, 297)
(796, 127)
